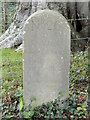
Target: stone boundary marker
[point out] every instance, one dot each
(46, 57)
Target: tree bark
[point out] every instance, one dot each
(14, 35)
(5, 15)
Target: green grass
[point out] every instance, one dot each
(12, 65)
(12, 82)
(12, 78)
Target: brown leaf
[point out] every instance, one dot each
(4, 99)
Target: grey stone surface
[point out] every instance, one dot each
(25, 9)
(46, 57)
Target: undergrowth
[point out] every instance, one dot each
(75, 107)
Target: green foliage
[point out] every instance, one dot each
(28, 114)
(20, 104)
(79, 73)
(12, 81)
(11, 9)
(75, 107)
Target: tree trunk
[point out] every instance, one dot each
(5, 15)
(14, 35)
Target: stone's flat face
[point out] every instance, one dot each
(46, 57)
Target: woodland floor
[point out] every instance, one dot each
(12, 89)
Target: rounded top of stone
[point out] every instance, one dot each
(47, 13)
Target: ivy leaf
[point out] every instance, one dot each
(28, 114)
(84, 109)
(72, 117)
(31, 113)
(84, 104)
(79, 108)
